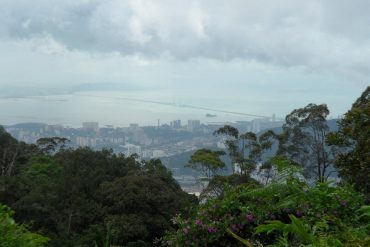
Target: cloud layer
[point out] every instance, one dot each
(259, 57)
(316, 35)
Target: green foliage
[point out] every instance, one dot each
(242, 240)
(285, 170)
(246, 149)
(228, 131)
(300, 232)
(353, 140)
(49, 145)
(252, 148)
(206, 161)
(14, 235)
(94, 198)
(296, 227)
(304, 140)
(12, 153)
(218, 185)
(147, 203)
(365, 211)
(279, 214)
(231, 142)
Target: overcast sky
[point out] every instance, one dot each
(259, 57)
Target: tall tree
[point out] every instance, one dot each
(245, 150)
(252, 149)
(231, 141)
(9, 152)
(12, 152)
(304, 140)
(353, 139)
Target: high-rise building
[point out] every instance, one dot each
(193, 125)
(176, 124)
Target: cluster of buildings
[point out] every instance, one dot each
(147, 142)
(162, 141)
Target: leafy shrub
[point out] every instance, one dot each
(14, 235)
(292, 213)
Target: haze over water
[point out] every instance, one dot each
(114, 108)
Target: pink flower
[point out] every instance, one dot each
(212, 229)
(249, 217)
(234, 227)
(198, 222)
(343, 203)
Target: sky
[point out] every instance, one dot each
(68, 61)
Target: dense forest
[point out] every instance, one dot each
(314, 191)
(87, 198)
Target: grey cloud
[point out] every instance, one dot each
(316, 35)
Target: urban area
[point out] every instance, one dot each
(172, 142)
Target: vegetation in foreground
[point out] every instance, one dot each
(14, 235)
(287, 212)
(91, 198)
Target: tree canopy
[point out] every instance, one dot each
(15, 235)
(353, 140)
(206, 161)
(85, 198)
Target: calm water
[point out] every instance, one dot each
(115, 108)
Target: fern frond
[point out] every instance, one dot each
(242, 240)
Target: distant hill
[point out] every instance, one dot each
(29, 126)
